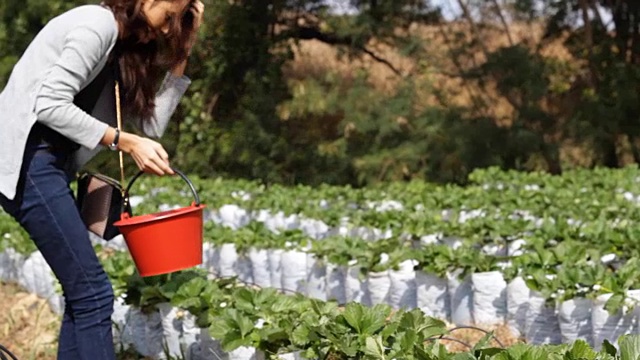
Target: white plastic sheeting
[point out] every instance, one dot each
(275, 267)
(518, 294)
(11, 264)
(528, 313)
(379, 285)
(36, 277)
(279, 221)
(245, 353)
(119, 319)
(179, 330)
(460, 299)
(227, 260)
(607, 326)
(211, 258)
(294, 271)
(542, 326)
(402, 293)
(574, 317)
(464, 302)
(316, 278)
(432, 296)
(207, 348)
(356, 288)
(232, 216)
(489, 298)
(336, 278)
(260, 267)
(144, 333)
(117, 243)
(315, 229)
(243, 269)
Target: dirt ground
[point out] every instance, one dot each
(28, 327)
(462, 339)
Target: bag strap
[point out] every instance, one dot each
(119, 121)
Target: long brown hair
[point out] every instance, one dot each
(143, 64)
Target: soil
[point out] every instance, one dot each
(28, 327)
(464, 338)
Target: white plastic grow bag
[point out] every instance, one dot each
(316, 278)
(461, 299)
(574, 318)
(275, 267)
(489, 298)
(294, 271)
(518, 294)
(607, 326)
(356, 288)
(227, 260)
(336, 278)
(260, 267)
(432, 295)
(542, 326)
(402, 293)
(379, 285)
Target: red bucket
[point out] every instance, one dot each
(167, 241)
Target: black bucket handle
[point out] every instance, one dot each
(4, 352)
(127, 205)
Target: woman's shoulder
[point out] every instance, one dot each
(95, 17)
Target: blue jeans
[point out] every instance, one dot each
(45, 207)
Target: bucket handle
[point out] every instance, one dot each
(127, 205)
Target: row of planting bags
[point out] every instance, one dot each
(167, 331)
(483, 298)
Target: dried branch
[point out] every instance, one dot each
(467, 15)
(503, 20)
(313, 33)
(597, 15)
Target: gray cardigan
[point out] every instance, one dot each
(65, 56)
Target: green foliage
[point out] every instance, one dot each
(250, 114)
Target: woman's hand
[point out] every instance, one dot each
(149, 155)
(197, 9)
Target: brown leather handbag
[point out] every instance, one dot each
(100, 199)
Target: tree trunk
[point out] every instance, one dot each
(552, 158)
(609, 152)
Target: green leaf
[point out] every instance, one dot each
(488, 352)
(614, 304)
(463, 356)
(366, 321)
(300, 335)
(374, 347)
(245, 325)
(486, 339)
(408, 339)
(219, 329)
(582, 350)
(629, 347)
(284, 303)
(243, 299)
(518, 351)
(231, 343)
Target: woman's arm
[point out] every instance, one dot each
(84, 49)
(175, 84)
(149, 155)
(167, 100)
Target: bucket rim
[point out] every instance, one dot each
(153, 217)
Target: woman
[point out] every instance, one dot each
(50, 125)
